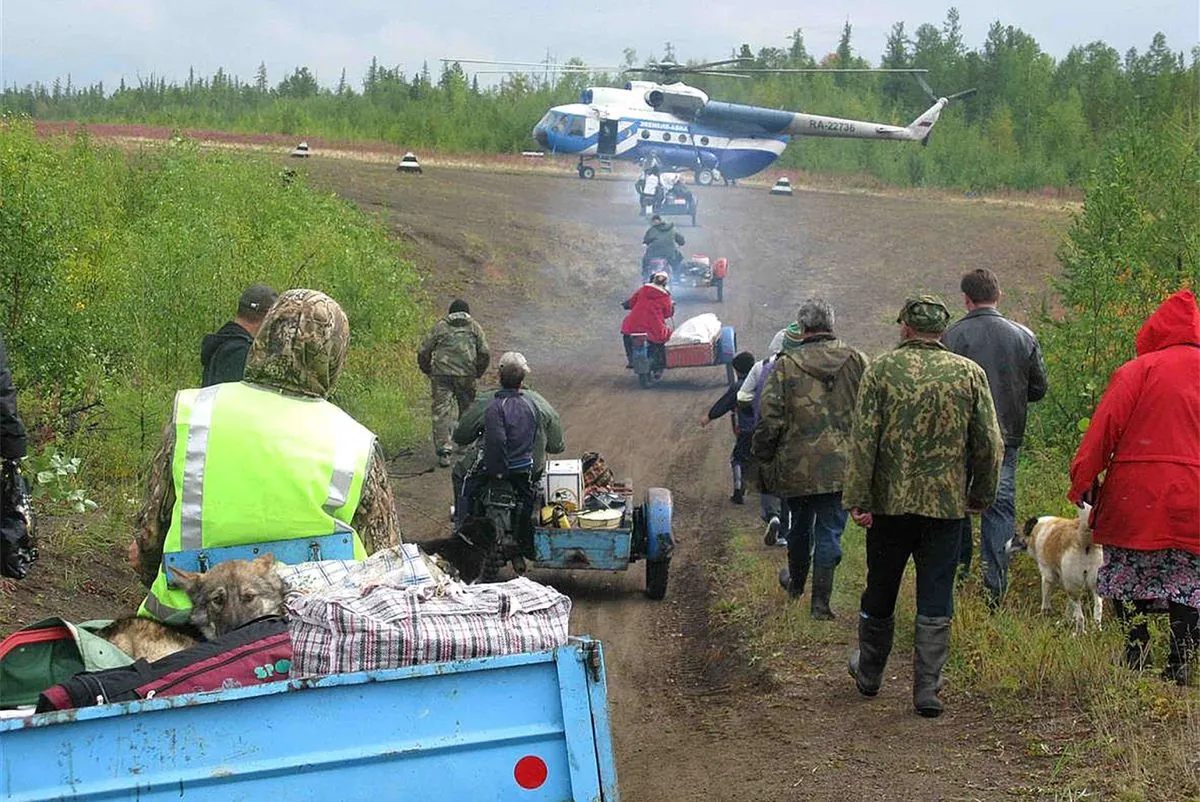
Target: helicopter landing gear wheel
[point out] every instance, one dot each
(586, 172)
(704, 177)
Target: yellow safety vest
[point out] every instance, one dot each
(253, 465)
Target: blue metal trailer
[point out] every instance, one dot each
(648, 537)
(521, 727)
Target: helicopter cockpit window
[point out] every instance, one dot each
(575, 125)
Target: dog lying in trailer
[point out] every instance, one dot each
(233, 593)
(1065, 556)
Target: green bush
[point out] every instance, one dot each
(114, 266)
(1134, 243)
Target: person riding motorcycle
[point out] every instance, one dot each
(508, 434)
(679, 190)
(662, 241)
(649, 309)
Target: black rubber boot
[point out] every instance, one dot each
(870, 658)
(1185, 637)
(931, 646)
(822, 589)
(1132, 616)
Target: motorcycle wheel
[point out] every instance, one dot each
(493, 561)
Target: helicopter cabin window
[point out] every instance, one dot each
(575, 125)
(666, 137)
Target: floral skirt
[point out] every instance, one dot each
(1131, 575)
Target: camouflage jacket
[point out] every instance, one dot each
(923, 424)
(456, 347)
(805, 413)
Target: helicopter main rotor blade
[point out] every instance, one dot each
(811, 70)
(541, 65)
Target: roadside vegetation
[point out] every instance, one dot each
(1107, 731)
(1037, 122)
(114, 265)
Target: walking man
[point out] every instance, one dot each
(800, 442)
(1010, 356)
(924, 450)
(224, 352)
(453, 356)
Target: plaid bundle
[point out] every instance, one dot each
(403, 564)
(388, 624)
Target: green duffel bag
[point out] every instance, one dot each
(49, 652)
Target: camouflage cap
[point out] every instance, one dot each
(925, 313)
(302, 344)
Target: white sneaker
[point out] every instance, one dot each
(781, 541)
(771, 535)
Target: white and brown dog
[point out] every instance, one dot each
(1065, 556)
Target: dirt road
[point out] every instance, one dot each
(544, 262)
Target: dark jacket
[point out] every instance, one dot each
(510, 425)
(661, 240)
(549, 437)
(13, 441)
(743, 418)
(1012, 359)
(223, 354)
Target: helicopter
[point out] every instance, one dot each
(668, 123)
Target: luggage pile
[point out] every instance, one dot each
(397, 608)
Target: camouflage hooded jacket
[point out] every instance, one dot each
(804, 417)
(456, 347)
(924, 422)
(299, 351)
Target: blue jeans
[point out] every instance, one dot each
(816, 533)
(998, 524)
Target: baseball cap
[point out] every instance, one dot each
(925, 313)
(256, 300)
(514, 359)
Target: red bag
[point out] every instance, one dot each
(254, 654)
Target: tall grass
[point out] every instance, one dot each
(113, 266)
(1112, 732)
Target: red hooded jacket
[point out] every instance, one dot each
(649, 309)
(1146, 434)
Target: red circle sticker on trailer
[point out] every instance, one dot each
(530, 772)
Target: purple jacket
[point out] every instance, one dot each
(509, 428)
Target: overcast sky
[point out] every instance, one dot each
(106, 40)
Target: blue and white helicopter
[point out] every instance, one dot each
(680, 127)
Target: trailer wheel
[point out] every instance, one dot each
(720, 285)
(657, 572)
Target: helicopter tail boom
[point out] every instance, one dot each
(817, 125)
